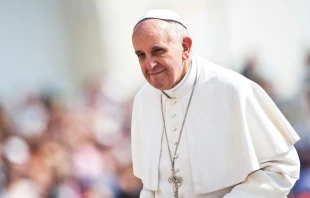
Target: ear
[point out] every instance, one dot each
(187, 45)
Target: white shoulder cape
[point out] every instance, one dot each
(232, 125)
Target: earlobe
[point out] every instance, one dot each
(185, 55)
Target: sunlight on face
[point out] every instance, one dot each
(159, 54)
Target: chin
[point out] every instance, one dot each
(158, 86)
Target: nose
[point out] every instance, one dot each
(150, 63)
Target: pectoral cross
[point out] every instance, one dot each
(176, 182)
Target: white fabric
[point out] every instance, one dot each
(163, 14)
(274, 180)
(231, 129)
(174, 114)
(270, 182)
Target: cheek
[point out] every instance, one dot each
(173, 68)
(142, 67)
(144, 71)
(172, 74)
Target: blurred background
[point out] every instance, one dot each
(68, 75)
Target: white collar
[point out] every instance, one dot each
(185, 85)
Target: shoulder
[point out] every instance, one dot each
(222, 79)
(146, 93)
(146, 90)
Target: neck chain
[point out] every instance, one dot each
(175, 180)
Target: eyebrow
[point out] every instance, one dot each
(138, 52)
(153, 48)
(157, 47)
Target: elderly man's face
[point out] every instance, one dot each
(160, 55)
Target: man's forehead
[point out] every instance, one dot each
(148, 35)
(150, 24)
(153, 30)
(151, 33)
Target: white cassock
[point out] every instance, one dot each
(235, 142)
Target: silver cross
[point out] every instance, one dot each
(176, 182)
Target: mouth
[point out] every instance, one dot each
(156, 73)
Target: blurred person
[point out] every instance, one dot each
(98, 193)
(130, 186)
(5, 131)
(302, 187)
(96, 176)
(249, 70)
(16, 150)
(22, 188)
(59, 120)
(3, 171)
(5, 124)
(31, 116)
(104, 112)
(65, 187)
(302, 124)
(268, 87)
(307, 70)
(127, 107)
(18, 184)
(87, 152)
(39, 170)
(99, 97)
(200, 130)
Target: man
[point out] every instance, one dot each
(200, 130)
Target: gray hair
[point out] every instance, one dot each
(176, 30)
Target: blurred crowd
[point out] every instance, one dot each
(80, 147)
(76, 148)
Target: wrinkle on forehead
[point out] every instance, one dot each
(152, 27)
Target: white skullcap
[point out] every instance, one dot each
(163, 14)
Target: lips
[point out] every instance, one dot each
(156, 73)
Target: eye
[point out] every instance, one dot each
(141, 55)
(158, 51)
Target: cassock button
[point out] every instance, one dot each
(173, 115)
(174, 102)
(176, 156)
(174, 130)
